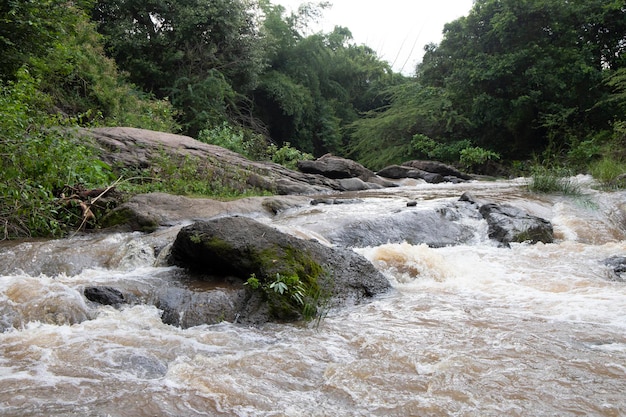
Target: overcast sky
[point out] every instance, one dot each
(397, 29)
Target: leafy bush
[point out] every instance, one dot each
(40, 156)
(552, 180)
(444, 152)
(288, 156)
(473, 157)
(84, 83)
(250, 145)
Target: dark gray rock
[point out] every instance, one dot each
(104, 295)
(335, 167)
(236, 248)
(188, 307)
(437, 168)
(510, 224)
(617, 265)
(397, 172)
(435, 227)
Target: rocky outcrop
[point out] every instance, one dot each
(228, 251)
(398, 172)
(148, 212)
(331, 166)
(347, 172)
(510, 224)
(446, 171)
(139, 149)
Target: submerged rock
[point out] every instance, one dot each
(435, 227)
(235, 249)
(618, 267)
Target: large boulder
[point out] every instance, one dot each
(510, 224)
(437, 168)
(335, 167)
(148, 212)
(134, 149)
(433, 226)
(256, 260)
(398, 172)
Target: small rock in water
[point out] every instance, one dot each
(104, 295)
(618, 267)
(411, 204)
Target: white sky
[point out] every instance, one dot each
(397, 30)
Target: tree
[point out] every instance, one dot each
(202, 54)
(516, 77)
(315, 85)
(527, 73)
(28, 28)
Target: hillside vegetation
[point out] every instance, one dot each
(512, 82)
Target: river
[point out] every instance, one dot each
(467, 330)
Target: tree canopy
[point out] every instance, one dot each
(516, 76)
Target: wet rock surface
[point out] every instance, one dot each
(236, 248)
(617, 266)
(510, 224)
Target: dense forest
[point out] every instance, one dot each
(513, 86)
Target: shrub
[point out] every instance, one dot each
(474, 157)
(40, 156)
(552, 180)
(287, 156)
(252, 146)
(431, 149)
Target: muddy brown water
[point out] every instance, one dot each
(468, 330)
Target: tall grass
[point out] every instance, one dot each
(553, 180)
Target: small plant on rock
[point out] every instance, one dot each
(288, 296)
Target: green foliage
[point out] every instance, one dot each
(526, 74)
(246, 143)
(288, 156)
(315, 85)
(202, 54)
(252, 146)
(190, 176)
(420, 121)
(608, 165)
(288, 296)
(609, 172)
(552, 180)
(40, 157)
(473, 157)
(445, 152)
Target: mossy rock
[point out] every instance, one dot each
(125, 218)
(241, 247)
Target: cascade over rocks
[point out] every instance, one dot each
(227, 251)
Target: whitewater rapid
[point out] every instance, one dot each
(467, 330)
